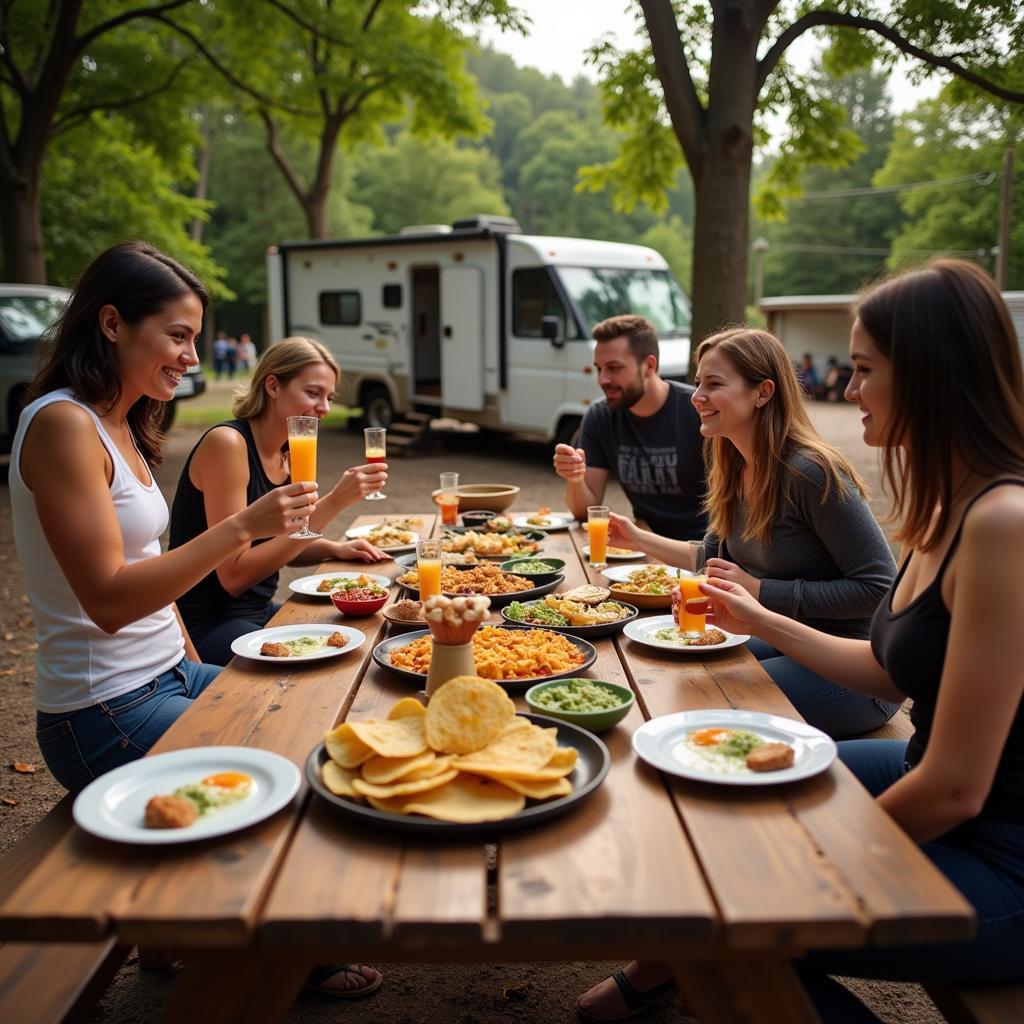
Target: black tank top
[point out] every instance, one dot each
(911, 646)
(208, 603)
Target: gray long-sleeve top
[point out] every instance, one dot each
(828, 565)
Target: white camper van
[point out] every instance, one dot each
(474, 321)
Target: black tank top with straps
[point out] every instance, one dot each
(208, 603)
(911, 646)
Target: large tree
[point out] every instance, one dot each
(715, 68)
(60, 63)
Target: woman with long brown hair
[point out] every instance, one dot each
(938, 380)
(113, 666)
(787, 518)
(236, 462)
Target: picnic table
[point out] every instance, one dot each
(726, 883)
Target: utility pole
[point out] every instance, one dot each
(760, 245)
(1003, 238)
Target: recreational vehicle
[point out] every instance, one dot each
(475, 321)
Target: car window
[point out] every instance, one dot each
(26, 317)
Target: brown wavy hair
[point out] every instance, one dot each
(958, 387)
(284, 360)
(138, 281)
(782, 429)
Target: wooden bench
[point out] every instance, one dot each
(985, 1004)
(52, 982)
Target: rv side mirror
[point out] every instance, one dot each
(549, 330)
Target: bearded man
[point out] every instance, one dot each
(645, 430)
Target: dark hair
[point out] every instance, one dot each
(638, 332)
(958, 388)
(138, 281)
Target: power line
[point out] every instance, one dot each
(980, 178)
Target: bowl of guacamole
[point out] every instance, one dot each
(590, 703)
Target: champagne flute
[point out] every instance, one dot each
(376, 451)
(302, 459)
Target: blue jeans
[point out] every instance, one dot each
(214, 644)
(983, 859)
(80, 745)
(821, 703)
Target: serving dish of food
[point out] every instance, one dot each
(544, 519)
(734, 748)
(646, 586)
(440, 770)
(585, 611)
(324, 584)
(512, 655)
(491, 544)
(500, 586)
(386, 536)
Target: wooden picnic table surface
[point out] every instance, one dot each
(726, 883)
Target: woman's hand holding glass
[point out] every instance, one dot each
(623, 532)
(720, 569)
(279, 510)
(359, 481)
(731, 607)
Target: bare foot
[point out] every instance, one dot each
(604, 1000)
(350, 978)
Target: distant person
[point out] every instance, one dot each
(246, 352)
(644, 431)
(236, 462)
(807, 374)
(221, 354)
(837, 377)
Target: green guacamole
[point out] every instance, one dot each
(537, 613)
(533, 565)
(739, 743)
(304, 644)
(578, 695)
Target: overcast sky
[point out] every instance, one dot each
(563, 30)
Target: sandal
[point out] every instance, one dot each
(321, 973)
(636, 1001)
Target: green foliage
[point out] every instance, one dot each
(674, 240)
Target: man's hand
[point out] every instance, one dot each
(570, 463)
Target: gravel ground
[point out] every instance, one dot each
(412, 994)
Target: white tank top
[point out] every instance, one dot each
(77, 663)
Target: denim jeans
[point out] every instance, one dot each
(80, 745)
(822, 703)
(983, 859)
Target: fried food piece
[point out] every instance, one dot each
(409, 610)
(170, 812)
(771, 757)
(272, 650)
(709, 638)
(337, 640)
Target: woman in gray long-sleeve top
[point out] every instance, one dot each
(788, 518)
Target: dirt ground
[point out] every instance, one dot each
(411, 994)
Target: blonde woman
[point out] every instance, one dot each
(788, 519)
(236, 462)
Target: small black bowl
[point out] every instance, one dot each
(474, 519)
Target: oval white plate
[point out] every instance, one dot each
(643, 630)
(307, 584)
(114, 805)
(614, 556)
(621, 573)
(248, 645)
(661, 742)
(556, 520)
(362, 531)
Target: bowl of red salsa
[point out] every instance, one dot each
(357, 601)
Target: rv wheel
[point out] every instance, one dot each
(377, 408)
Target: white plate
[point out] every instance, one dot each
(557, 521)
(307, 584)
(614, 556)
(362, 531)
(661, 742)
(248, 645)
(643, 630)
(621, 573)
(114, 805)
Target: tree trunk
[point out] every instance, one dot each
(24, 256)
(315, 203)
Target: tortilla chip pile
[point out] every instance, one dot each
(464, 758)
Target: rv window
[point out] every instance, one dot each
(391, 296)
(534, 296)
(342, 308)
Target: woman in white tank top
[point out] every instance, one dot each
(113, 664)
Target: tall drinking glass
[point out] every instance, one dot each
(597, 529)
(376, 451)
(448, 499)
(692, 606)
(428, 567)
(302, 458)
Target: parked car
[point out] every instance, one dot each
(26, 312)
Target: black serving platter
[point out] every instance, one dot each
(545, 584)
(587, 632)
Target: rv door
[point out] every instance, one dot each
(462, 338)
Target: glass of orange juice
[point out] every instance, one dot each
(448, 499)
(597, 528)
(692, 605)
(428, 567)
(302, 459)
(375, 439)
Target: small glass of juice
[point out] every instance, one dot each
(448, 499)
(597, 529)
(428, 567)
